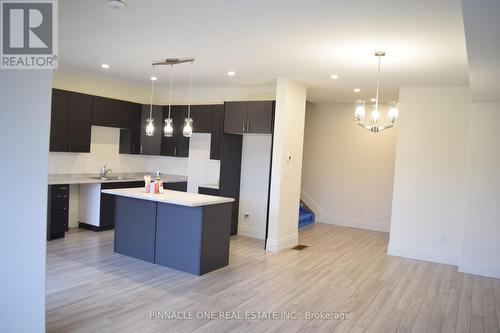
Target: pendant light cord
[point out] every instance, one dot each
(190, 86)
(152, 92)
(170, 93)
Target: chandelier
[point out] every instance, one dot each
(374, 124)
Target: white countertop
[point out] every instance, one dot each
(89, 178)
(214, 186)
(171, 197)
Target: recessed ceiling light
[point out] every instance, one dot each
(153, 78)
(105, 66)
(117, 4)
(373, 100)
(357, 90)
(334, 76)
(231, 73)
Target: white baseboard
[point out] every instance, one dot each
(421, 254)
(275, 245)
(355, 223)
(251, 231)
(476, 268)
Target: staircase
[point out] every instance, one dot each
(306, 215)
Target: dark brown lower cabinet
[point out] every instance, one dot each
(57, 211)
(107, 212)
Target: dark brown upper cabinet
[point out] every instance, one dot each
(104, 111)
(129, 121)
(70, 123)
(202, 118)
(217, 131)
(79, 122)
(176, 145)
(235, 117)
(59, 120)
(260, 117)
(248, 117)
(151, 145)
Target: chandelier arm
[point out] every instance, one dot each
(378, 81)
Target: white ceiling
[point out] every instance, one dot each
(263, 40)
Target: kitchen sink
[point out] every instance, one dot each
(110, 178)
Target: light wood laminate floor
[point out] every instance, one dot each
(91, 289)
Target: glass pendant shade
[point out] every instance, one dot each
(168, 130)
(188, 127)
(375, 113)
(150, 128)
(393, 112)
(359, 110)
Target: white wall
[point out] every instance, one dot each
(348, 172)
(481, 240)
(254, 186)
(101, 85)
(286, 165)
(24, 133)
(429, 181)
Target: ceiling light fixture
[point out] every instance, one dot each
(105, 66)
(117, 4)
(231, 73)
(187, 131)
(168, 129)
(356, 90)
(359, 107)
(334, 76)
(153, 78)
(150, 128)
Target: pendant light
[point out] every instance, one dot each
(150, 128)
(168, 130)
(359, 108)
(187, 131)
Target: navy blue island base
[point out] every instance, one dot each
(189, 239)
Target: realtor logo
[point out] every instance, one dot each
(29, 34)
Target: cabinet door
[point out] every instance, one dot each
(59, 120)
(202, 118)
(151, 145)
(169, 144)
(79, 122)
(217, 131)
(179, 114)
(103, 111)
(260, 117)
(235, 117)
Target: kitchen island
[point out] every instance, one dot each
(185, 231)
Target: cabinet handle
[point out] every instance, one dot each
(243, 130)
(141, 150)
(175, 151)
(248, 126)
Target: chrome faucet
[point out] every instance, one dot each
(105, 171)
